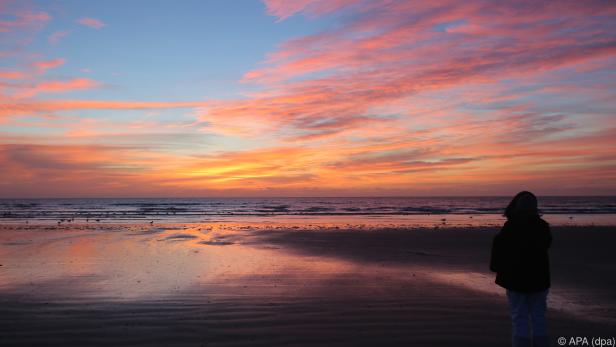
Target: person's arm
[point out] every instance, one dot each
(496, 253)
(493, 262)
(546, 236)
(549, 232)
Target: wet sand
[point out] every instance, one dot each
(232, 284)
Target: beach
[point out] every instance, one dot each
(222, 283)
(307, 173)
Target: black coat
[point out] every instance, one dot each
(520, 255)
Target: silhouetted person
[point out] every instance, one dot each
(520, 260)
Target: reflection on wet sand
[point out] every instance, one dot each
(250, 284)
(143, 263)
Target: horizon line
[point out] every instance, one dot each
(306, 197)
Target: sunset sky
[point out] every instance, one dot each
(307, 98)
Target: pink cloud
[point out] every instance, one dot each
(389, 37)
(284, 9)
(48, 64)
(55, 37)
(389, 50)
(91, 22)
(20, 19)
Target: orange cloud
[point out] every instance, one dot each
(57, 87)
(11, 74)
(415, 165)
(12, 107)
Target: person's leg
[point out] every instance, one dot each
(518, 308)
(538, 307)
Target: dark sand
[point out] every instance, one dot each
(201, 286)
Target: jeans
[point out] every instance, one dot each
(528, 308)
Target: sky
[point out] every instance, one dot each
(307, 98)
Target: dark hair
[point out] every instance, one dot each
(523, 205)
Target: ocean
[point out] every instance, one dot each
(422, 210)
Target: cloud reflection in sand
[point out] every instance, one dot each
(145, 263)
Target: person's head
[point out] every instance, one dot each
(523, 205)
